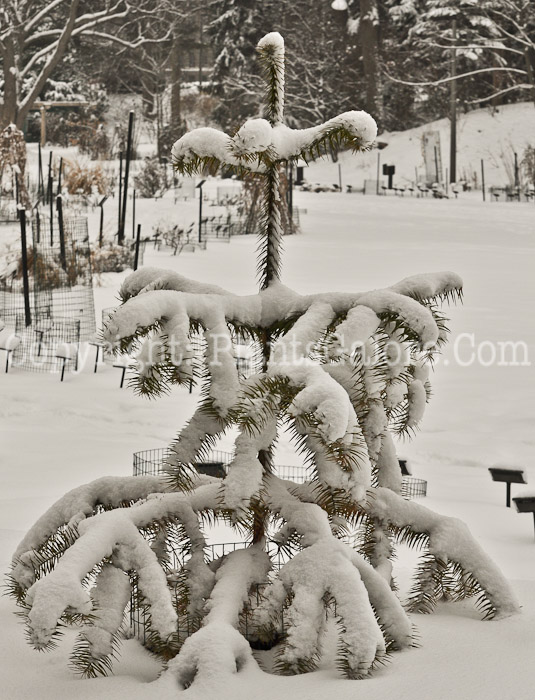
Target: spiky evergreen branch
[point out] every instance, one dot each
(271, 54)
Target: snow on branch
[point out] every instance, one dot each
(441, 81)
(320, 395)
(37, 18)
(296, 343)
(520, 86)
(81, 503)
(257, 144)
(448, 540)
(245, 472)
(327, 568)
(309, 582)
(430, 286)
(416, 317)
(115, 535)
(62, 588)
(52, 60)
(217, 645)
(150, 297)
(150, 278)
(196, 437)
(97, 642)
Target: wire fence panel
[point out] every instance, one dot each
(42, 340)
(217, 228)
(62, 270)
(59, 308)
(154, 462)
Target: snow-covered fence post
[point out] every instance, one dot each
(345, 372)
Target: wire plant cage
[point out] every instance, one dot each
(139, 617)
(62, 270)
(40, 341)
(411, 487)
(59, 306)
(153, 462)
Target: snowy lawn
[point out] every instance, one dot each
(491, 135)
(55, 436)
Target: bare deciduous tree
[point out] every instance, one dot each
(35, 36)
(495, 38)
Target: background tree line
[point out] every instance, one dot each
(393, 58)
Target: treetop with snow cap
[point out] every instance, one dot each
(343, 373)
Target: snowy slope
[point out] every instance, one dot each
(481, 134)
(54, 436)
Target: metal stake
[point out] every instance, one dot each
(25, 280)
(138, 239)
(126, 173)
(62, 253)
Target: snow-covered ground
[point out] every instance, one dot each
(55, 436)
(482, 134)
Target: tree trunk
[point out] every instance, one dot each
(497, 82)
(147, 98)
(176, 78)
(51, 62)
(8, 112)
(369, 42)
(530, 67)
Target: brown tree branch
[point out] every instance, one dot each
(455, 77)
(47, 69)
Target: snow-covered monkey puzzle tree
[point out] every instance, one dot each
(344, 373)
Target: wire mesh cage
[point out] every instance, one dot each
(41, 341)
(12, 301)
(139, 614)
(61, 258)
(413, 488)
(58, 307)
(153, 462)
